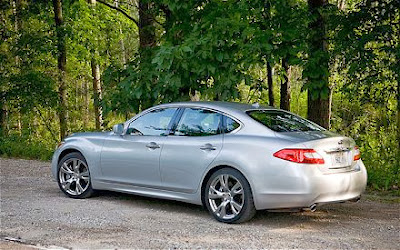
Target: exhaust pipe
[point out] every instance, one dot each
(312, 208)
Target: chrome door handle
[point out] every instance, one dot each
(208, 146)
(153, 145)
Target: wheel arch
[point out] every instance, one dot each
(212, 171)
(68, 151)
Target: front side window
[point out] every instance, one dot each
(280, 121)
(153, 123)
(198, 122)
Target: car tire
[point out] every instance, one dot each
(73, 176)
(228, 197)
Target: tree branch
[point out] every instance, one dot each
(47, 125)
(120, 10)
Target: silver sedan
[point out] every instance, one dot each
(232, 158)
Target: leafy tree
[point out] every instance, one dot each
(367, 45)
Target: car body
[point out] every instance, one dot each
(173, 150)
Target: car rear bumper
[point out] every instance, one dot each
(315, 189)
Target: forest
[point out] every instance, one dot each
(82, 65)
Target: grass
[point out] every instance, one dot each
(391, 197)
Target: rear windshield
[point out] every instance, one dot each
(280, 121)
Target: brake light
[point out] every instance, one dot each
(357, 153)
(299, 155)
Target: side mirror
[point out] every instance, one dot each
(118, 129)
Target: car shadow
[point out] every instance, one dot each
(324, 216)
(150, 202)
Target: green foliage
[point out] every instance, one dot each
(380, 155)
(25, 52)
(366, 46)
(207, 50)
(120, 95)
(32, 149)
(374, 130)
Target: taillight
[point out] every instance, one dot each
(357, 153)
(299, 155)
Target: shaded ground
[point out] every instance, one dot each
(35, 211)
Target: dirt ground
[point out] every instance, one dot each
(36, 214)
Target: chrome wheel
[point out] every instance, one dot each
(74, 176)
(226, 196)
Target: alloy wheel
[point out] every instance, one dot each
(226, 196)
(74, 176)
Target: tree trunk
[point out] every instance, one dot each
(398, 120)
(147, 40)
(318, 84)
(36, 125)
(97, 91)
(19, 122)
(285, 86)
(85, 93)
(98, 110)
(317, 111)
(62, 63)
(341, 4)
(398, 105)
(16, 6)
(4, 119)
(270, 85)
(121, 41)
(122, 44)
(147, 34)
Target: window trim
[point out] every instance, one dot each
(178, 115)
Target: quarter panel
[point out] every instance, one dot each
(253, 157)
(278, 183)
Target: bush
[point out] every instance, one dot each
(379, 151)
(17, 146)
(374, 129)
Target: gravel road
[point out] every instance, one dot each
(36, 212)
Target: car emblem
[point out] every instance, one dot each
(340, 142)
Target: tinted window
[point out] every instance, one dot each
(230, 124)
(153, 123)
(280, 121)
(198, 122)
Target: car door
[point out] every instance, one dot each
(133, 158)
(195, 143)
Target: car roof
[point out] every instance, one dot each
(228, 107)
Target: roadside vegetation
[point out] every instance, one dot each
(82, 65)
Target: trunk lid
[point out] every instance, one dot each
(338, 151)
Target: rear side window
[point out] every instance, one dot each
(198, 122)
(230, 125)
(280, 121)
